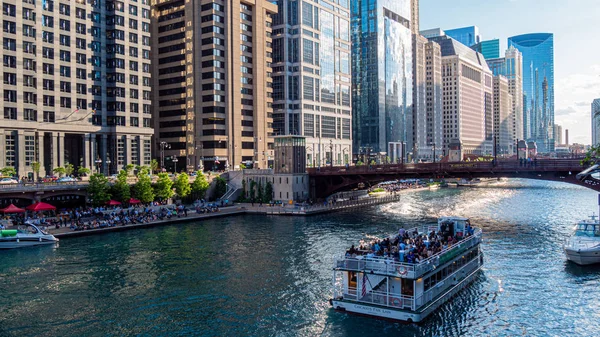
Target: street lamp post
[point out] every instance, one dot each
(163, 146)
(175, 160)
(434, 152)
(108, 164)
(98, 162)
(331, 152)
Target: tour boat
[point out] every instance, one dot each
(25, 236)
(583, 247)
(401, 291)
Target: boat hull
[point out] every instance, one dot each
(583, 257)
(407, 316)
(20, 243)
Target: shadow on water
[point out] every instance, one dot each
(578, 271)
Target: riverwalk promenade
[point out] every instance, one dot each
(245, 208)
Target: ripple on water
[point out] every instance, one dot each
(271, 276)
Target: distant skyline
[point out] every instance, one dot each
(576, 60)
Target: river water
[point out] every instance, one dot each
(271, 276)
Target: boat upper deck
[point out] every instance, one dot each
(412, 252)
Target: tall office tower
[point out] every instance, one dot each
(558, 139)
(434, 32)
(414, 17)
(503, 117)
(311, 78)
(466, 35)
(467, 97)
(490, 49)
(595, 122)
(567, 137)
(538, 86)
(511, 67)
(382, 77)
(213, 103)
(76, 85)
(427, 99)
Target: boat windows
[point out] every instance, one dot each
(585, 229)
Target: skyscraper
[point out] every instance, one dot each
(503, 117)
(311, 78)
(596, 121)
(538, 87)
(467, 100)
(382, 74)
(489, 48)
(76, 85)
(213, 103)
(511, 67)
(468, 36)
(558, 131)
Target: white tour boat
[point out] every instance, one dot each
(469, 182)
(25, 236)
(583, 247)
(390, 289)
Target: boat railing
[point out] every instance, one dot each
(381, 298)
(391, 267)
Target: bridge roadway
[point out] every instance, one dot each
(325, 181)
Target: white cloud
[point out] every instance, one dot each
(573, 97)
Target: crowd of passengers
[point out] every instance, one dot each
(398, 186)
(411, 247)
(126, 217)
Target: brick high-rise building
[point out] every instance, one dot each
(213, 104)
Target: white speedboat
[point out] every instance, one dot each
(25, 236)
(583, 247)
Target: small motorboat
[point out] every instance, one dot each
(583, 247)
(25, 235)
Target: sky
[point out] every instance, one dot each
(576, 29)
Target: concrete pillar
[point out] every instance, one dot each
(20, 153)
(93, 152)
(40, 153)
(61, 149)
(2, 149)
(54, 150)
(127, 149)
(103, 152)
(86, 151)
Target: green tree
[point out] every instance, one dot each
(83, 171)
(129, 169)
(199, 186)
(252, 190)
(591, 156)
(121, 189)
(153, 166)
(164, 186)
(359, 163)
(261, 192)
(98, 189)
(59, 170)
(9, 171)
(143, 188)
(69, 169)
(242, 167)
(268, 196)
(182, 185)
(35, 167)
(220, 187)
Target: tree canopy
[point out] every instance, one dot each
(121, 189)
(98, 189)
(164, 186)
(199, 186)
(182, 185)
(143, 188)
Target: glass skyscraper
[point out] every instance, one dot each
(490, 49)
(538, 87)
(381, 74)
(467, 35)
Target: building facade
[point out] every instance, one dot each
(490, 49)
(467, 98)
(511, 67)
(504, 144)
(311, 78)
(595, 122)
(76, 86)
(434, 32)
(468, 36)
(382, 75)
(558, 132)
(213, 83)
(538, 87)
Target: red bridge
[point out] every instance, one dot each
(328, 180)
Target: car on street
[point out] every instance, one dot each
(66, 180)
(5, 181)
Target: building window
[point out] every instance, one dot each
(147, 153)
(29, 150)
(135, 153)
(9, 147)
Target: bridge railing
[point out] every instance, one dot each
(34, 187)
(501, 165)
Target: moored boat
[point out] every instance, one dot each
(583, 247)
(25, 235)
(400, 286)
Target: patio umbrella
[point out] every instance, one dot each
(134, 201)
(12, 209)
(113, 203)
(40, 206)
